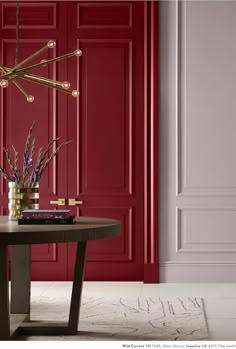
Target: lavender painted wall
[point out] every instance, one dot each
(198, 141)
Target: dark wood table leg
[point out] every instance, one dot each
(4, 295)
(53, 328)
(77, 287)
(20, 279)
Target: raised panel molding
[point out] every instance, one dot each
(102, 15)
(119, 179)
(2, 141)
(151, 141)
(183, 189)
(205, 230)
(190, 251)
(44, 253)
(32, 16)
(117, 249)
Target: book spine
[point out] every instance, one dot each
(45, 216)
(46, 221)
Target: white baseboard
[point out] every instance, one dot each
(175, 272)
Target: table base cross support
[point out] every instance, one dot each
(19, 324)
(21, 237)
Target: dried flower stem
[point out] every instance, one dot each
(16, 169)
(5, 174)
(9, 159)
(48, 148)
(32, 149)
(33, 179)
(42, 169)
(26, 164)
(31, 174)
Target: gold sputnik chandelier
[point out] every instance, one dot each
(20, 71)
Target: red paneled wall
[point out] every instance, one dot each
(111, 163)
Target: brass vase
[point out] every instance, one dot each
(21, 198)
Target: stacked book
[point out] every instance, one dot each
(46, 217)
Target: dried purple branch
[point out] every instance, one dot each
(5, 174)
(33, 177)
(41, 158)
(12, 166)
(31, 174)
(45, 153)
(9, 159)
(16, 169)
(42, 169)
(26, 155)
(30, 163)
(49, 145)
(32, 149)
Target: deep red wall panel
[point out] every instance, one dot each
(112, 163)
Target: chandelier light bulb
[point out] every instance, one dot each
(51, 44)
(30, 98)
(3, 83)
(77, 52)
(8, 75)
(23, 69)
(66, 85)
(75, 93)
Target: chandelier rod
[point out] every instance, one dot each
(56, 59)
(36, 77)
(24, 72)
(17, 32)
(41, 50)
(31, 67)
(16, 83)
(29, 78)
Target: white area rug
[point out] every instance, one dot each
(127, 319)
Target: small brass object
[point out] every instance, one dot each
(74, 202)
(59, 202)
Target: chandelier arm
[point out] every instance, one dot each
(44, 48)
(22, 90)
(38, 78)
(5, 70)
(42, 78)
(8, 73)
(45, 84)
(17, 84)
(27, 69)
(76, 53)
(14, 75)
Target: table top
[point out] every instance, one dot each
(84, 228)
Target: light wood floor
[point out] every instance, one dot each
(219, 299)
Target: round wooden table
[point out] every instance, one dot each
(22, 237)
